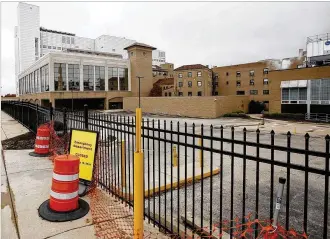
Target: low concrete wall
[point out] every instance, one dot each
(194, 106)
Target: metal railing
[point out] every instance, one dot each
(317, 117)
(181, 180)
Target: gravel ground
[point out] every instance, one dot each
(24, 141)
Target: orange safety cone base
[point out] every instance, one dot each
(53, 216)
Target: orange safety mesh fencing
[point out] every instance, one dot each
(113, 218)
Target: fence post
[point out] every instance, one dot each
(200, 153)
(37, 115)
(64, 120)
(123, 164)
(50, 111)
(86, 116)
(138, 179)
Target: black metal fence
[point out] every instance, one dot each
(180, 189)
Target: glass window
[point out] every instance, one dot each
(252, 73)
(68, 40)
(63, 39)
(238, 73)
(180, 75)
(302, 93)
(72, 40)
(266, 81)
(252, 82)
(189, 83)
(180, 93)
(58, 48)
(42, 78)
(315, 89)
(74, 76)
(253, 92)
(180, 84)
(199, 73)
(216, 93)
(36, 73)
(88, 77)
(199, 83)
(240, 92)
(60, 76)
(123, 78)
(49, 47)
(99, 78)
(325, 89)
(44, 46)
(46, 77)
(199, 93)
(113, 78)
(169, 94)
(189, 74)
(238, 83)
(293, 93)
(165, 94)
(189, 93)
(266, 92)
(285, 94)
(265, 70)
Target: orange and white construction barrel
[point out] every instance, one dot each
(64, 203)
(41, 148)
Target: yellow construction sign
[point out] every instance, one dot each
(83, 143)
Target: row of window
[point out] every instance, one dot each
(252, 92)
(190, 74)
(51, 47)
(265, 82)
(238, 73)
(154, 73)
(67, 77)
(199, 84)
(158, 60)
(67, 40)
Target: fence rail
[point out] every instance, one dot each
(317, 117)
(181, 180)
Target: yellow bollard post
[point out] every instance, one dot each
(175, 157)
(123, 164)
(200, 153)
(138, 179)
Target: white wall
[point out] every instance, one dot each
(158, 57)
(317, 48)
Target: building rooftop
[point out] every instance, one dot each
(158, 68)
(191, 67)
(138, 44)
(97, 53)
(165, 81)
(59, 32)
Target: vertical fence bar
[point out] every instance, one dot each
(306, 182)
(108, 156)
(326, 187)
(232, 183)
(129, 161)
(148, 173)
(221, 176)
(165, 173)
(202, 174)
(185, 176)
(287, 211)
(272, 136)
(153, 170)
(171, 129)
(193, 186)
(159, 183)
(211, 180)
(37, 117)
(178, 177)
(50, 111)
(244, 176)
(143, 169)
(113, 141)
(257, 182)
(86, 116)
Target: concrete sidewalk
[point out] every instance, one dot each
(29, 186)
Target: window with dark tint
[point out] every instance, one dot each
(60, 76)
(238, 83)
(227, 82)
(99, 78)
(252, 82)
(88, 77)
(169, 94)
(238, 73)
(253, 92)
(47, 77)
(74, 76)
(252, 73)
(113, 78)
(240, 92)
(180, 93)
(165, 94)
(216, 93)
(189, 83)
(189, 93)
(189, 74)
(266, 81)
(123, 78)
(265, 70)
(266, 92)
(180, 84)
(199, 93)
(227, 73)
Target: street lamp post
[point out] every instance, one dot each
(139, 77)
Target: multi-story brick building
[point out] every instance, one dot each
(193, 80)
(163, 71)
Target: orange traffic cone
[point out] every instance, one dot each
(41, 148)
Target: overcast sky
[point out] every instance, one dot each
(218, 33)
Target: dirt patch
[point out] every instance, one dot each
(24, 141)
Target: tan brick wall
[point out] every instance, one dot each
(206, 80)
(201, 107)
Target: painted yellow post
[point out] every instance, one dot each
(138, 179)
(175, 157)
(200, 153)
(123, 163)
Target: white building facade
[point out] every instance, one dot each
(33, 42)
